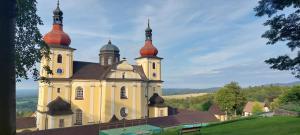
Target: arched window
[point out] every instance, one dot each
(78, 117)
(79, 93)
(123, 75)
(123, 93)
(59, 58)
(109, 61)
(153, 65)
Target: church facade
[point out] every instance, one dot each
(81, 93)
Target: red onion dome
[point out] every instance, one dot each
(149, 49)
(57, 36)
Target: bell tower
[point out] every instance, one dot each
(150, 62)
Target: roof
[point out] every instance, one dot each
(59, 107)
(25, 122)
(109, 47)
(249, 106)
(114, 119)
(95, 71)
(183, 117)
(214, 109)
(89, 70)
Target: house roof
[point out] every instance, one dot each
(214, 109)
(183, 117)
(25, 122)
(249, 106)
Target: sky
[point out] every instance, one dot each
(204, 43)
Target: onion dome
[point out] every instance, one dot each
(156, 100)
(59, 107)
(109, 47)
(57, 36)
(149, 50)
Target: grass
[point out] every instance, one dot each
(255, 126)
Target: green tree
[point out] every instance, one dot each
(230, 98)
(283, 28)
(29, 45)
(257, 108)
(291, 96)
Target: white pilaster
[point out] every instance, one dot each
(49, 98)
(113, 100)
(51, 122)
(134, 102)
(91, 106)
(68, 65)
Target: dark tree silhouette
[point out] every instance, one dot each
(7, 68)
(284, 23)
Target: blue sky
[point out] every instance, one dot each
(203, 43)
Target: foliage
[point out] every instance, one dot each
(290, 96)
(230, 98)
(200, 103)
(26, 105)
(283, 28)
(29, 46)
(257, 108)
(263, 93)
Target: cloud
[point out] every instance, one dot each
(203, 43)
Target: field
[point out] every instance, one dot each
(256, 126)
(183, 96)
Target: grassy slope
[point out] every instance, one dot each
(258, 126)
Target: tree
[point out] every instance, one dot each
(257, 108)
(283, 28)
(291, 96)
(230, 98)
(29, 45)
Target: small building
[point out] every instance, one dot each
(248, 109)
(217, 112)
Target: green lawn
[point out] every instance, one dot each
(256, 126)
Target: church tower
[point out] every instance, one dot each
(150, 62)
(54, 97)
(61, 55)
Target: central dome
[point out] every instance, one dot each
(109, 47)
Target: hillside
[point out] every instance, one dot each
(256, 126)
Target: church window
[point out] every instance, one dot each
(61, 123)
(58, 90)
(153, 65)
(59, 58)
(154, 74)
(79, 93)
(123, 75)
(78, 117)
(109, 61)
(123, 93)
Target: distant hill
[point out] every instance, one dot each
(26, 93)
(166, 91)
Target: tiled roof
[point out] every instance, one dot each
(25, 122)
(88, 70)
(249, 106)
(95, 71)
(214, 109)
(183, 117)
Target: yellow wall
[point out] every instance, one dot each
(156, 111)
(101, 98)
(148, 69)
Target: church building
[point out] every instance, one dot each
(81, 93)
